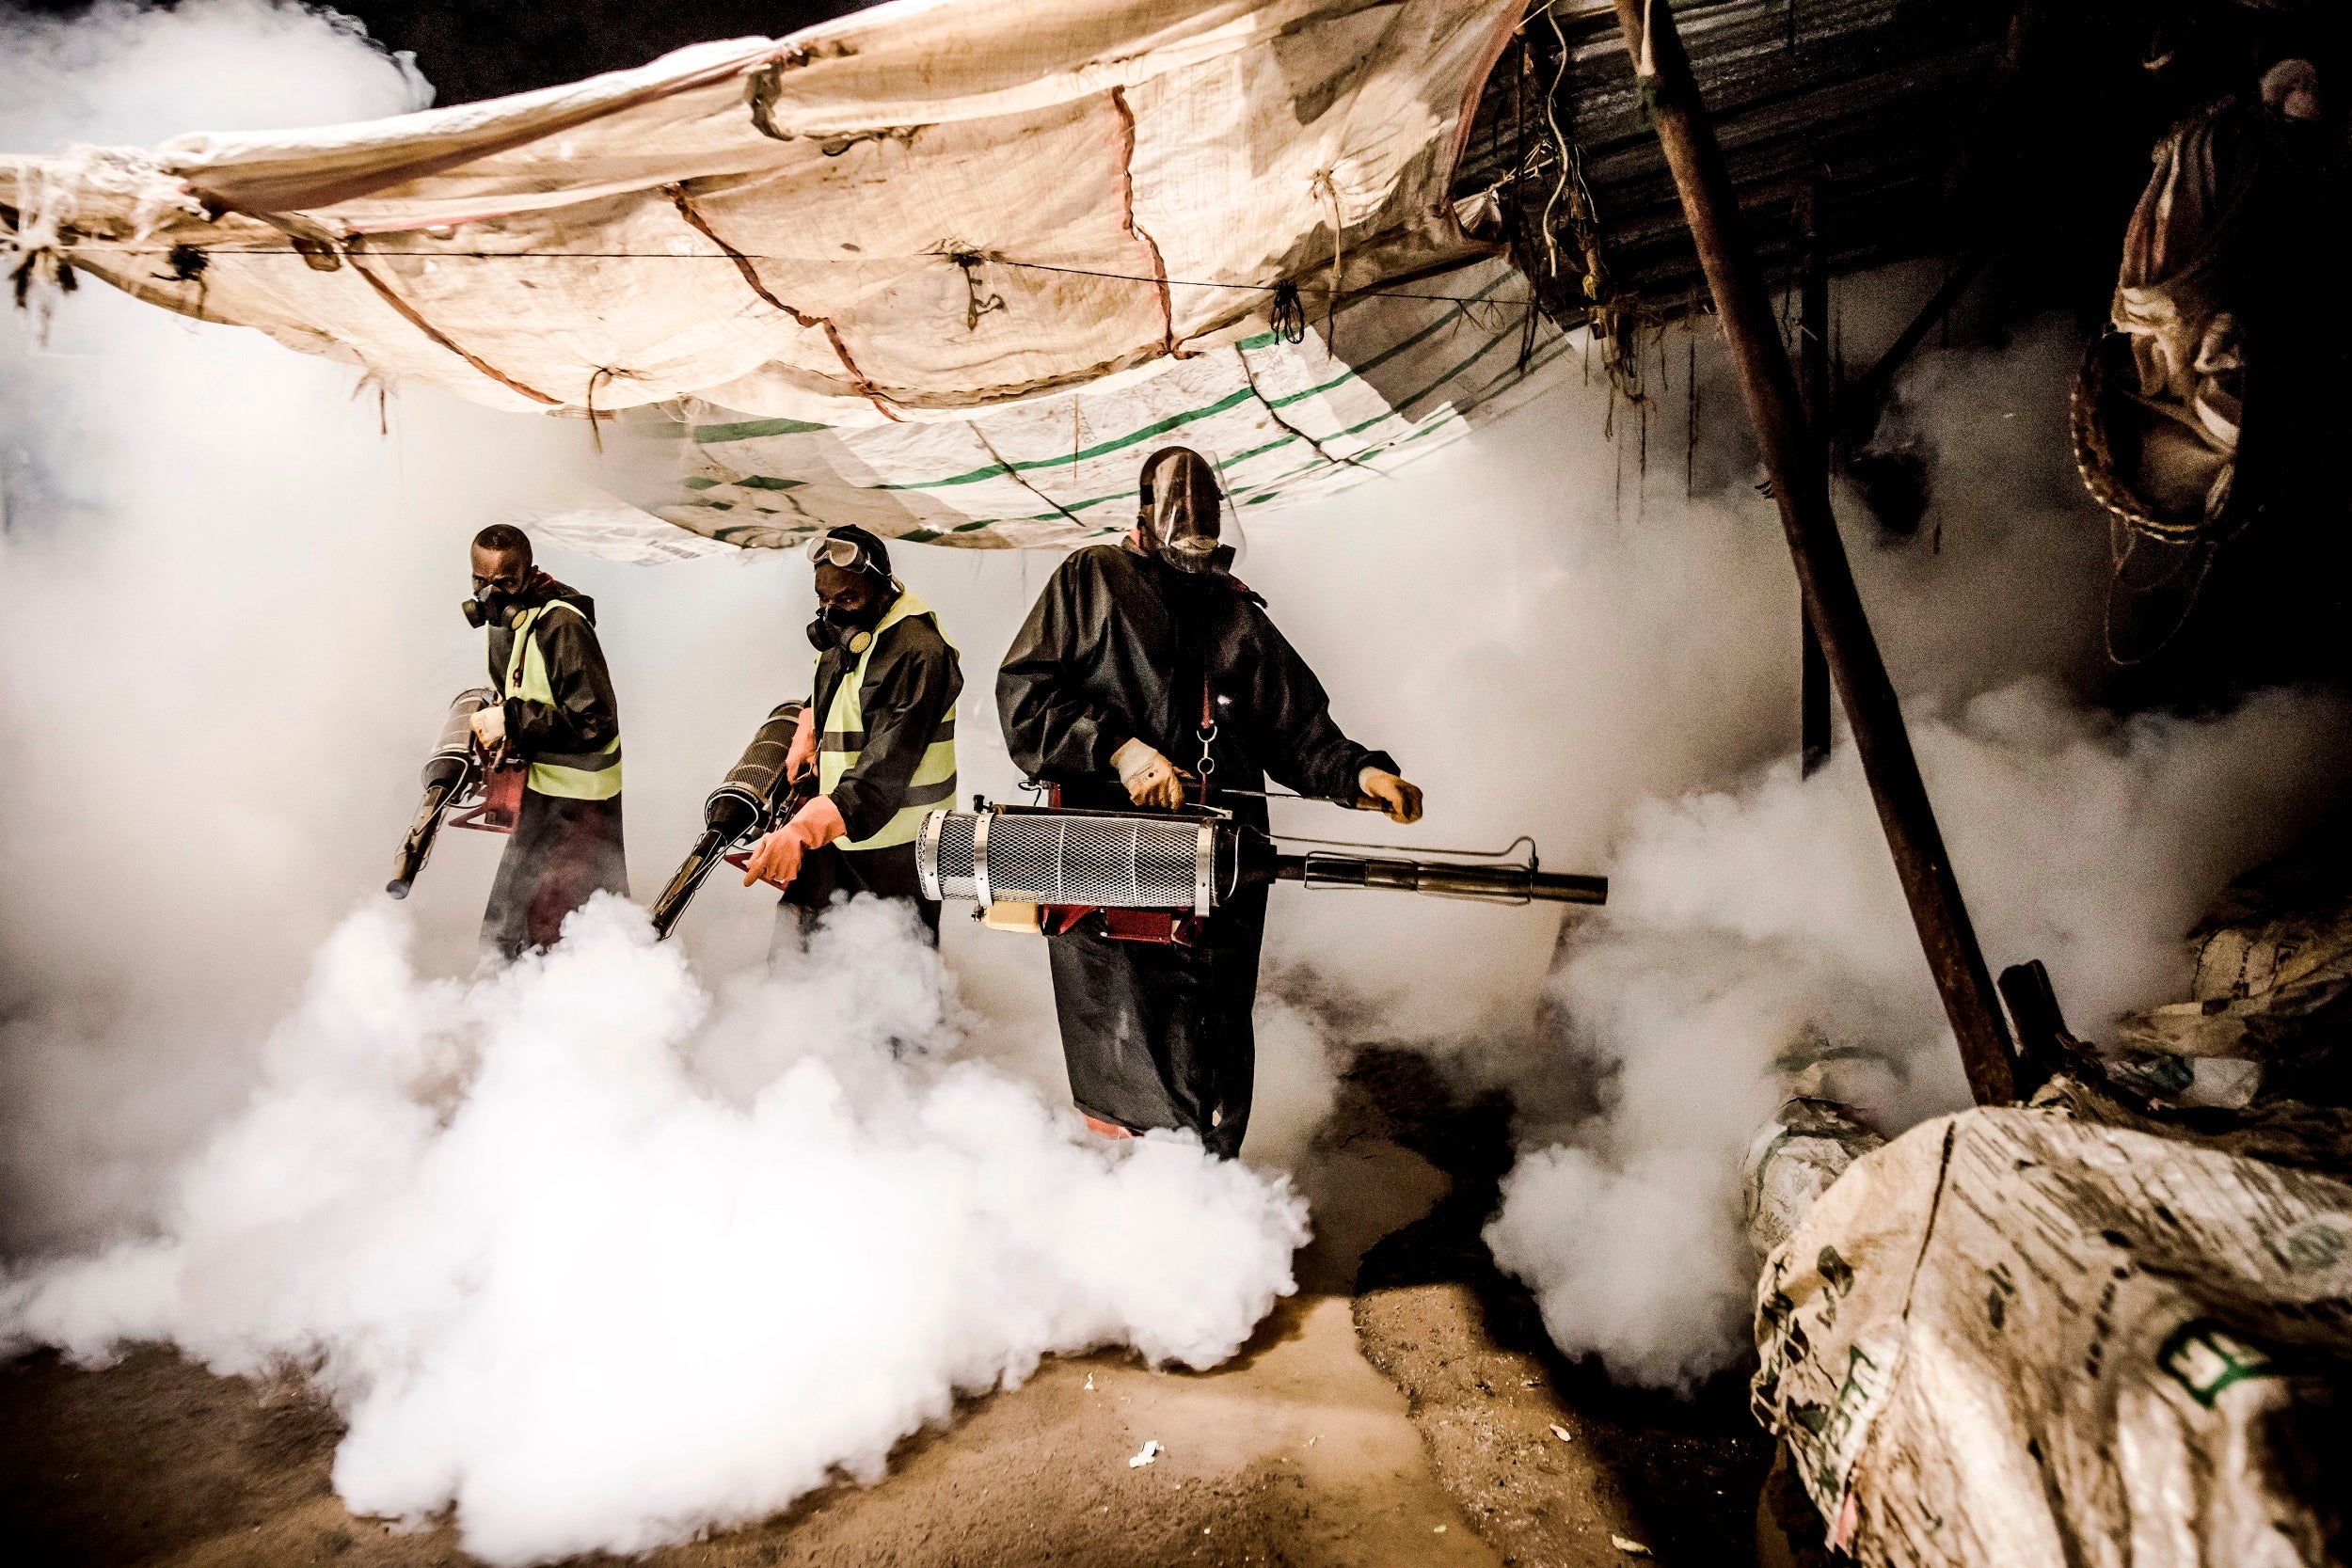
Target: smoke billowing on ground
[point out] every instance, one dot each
(603, 1261)
(629, 1239)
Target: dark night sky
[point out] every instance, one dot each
(470, 49)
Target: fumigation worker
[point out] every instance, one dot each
(559, 720)
(1147, 675)
(879, 731)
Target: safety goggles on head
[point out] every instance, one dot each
(848, 554)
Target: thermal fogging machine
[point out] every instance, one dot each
(1182, 865)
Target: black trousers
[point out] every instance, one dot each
(561, 853)
(1161, 1035)
(832, 870)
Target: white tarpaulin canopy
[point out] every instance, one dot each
(928, 267)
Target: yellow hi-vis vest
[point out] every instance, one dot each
(575, 776)
(839, 743)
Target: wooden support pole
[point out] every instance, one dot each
(1813, 690)
(1800, 478)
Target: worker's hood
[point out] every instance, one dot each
(1183, 518)
(543, 588)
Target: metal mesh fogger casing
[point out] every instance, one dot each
(1051, 857)
(448, 761)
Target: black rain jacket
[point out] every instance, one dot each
(584, 716)
(1117, 648)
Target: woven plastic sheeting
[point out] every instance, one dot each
(2016, 1337)
(1418, 367)
(920, 209)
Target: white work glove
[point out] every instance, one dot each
(489, 727)
(1151, 779)
(1390, 794)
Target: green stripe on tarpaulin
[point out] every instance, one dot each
(1158, 427)
(1250, 495)
(1232, 400)
(751, 429)
(1489, 347)
(1271, 490)
(1267, 490)
(761, 427)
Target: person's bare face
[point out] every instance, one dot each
(500, 569)
(846, 595)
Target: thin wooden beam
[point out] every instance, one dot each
(1813, 355)
(1859, 408)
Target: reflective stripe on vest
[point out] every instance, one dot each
(577, 775)
(843, 739)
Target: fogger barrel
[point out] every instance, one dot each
(1122, 860)
(451, 768)
(1493, 884)
(743, 805)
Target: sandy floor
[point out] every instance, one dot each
(1400, 1410)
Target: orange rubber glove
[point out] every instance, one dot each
(777, 859)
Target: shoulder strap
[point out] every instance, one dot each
(1208, 718)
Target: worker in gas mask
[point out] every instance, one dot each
(880, 732)
(1148, 677)
(559, 720)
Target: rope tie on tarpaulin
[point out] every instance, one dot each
(1288, 318)
(1322, 186)
(603, 376)
(43, 245)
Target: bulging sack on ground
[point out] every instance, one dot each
(2013, 1337)
(2271, 995)
(1809, 1143)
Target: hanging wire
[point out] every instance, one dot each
(375, 251)
(1691, 418)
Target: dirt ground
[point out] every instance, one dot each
(1401, 1410)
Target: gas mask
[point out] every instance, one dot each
(835, 627)
(1183, 518)
(491, 607)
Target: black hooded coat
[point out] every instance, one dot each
(1118, 647)
(563, 851)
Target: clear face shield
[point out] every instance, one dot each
(1186, 517)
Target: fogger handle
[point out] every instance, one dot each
(1491, 884)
